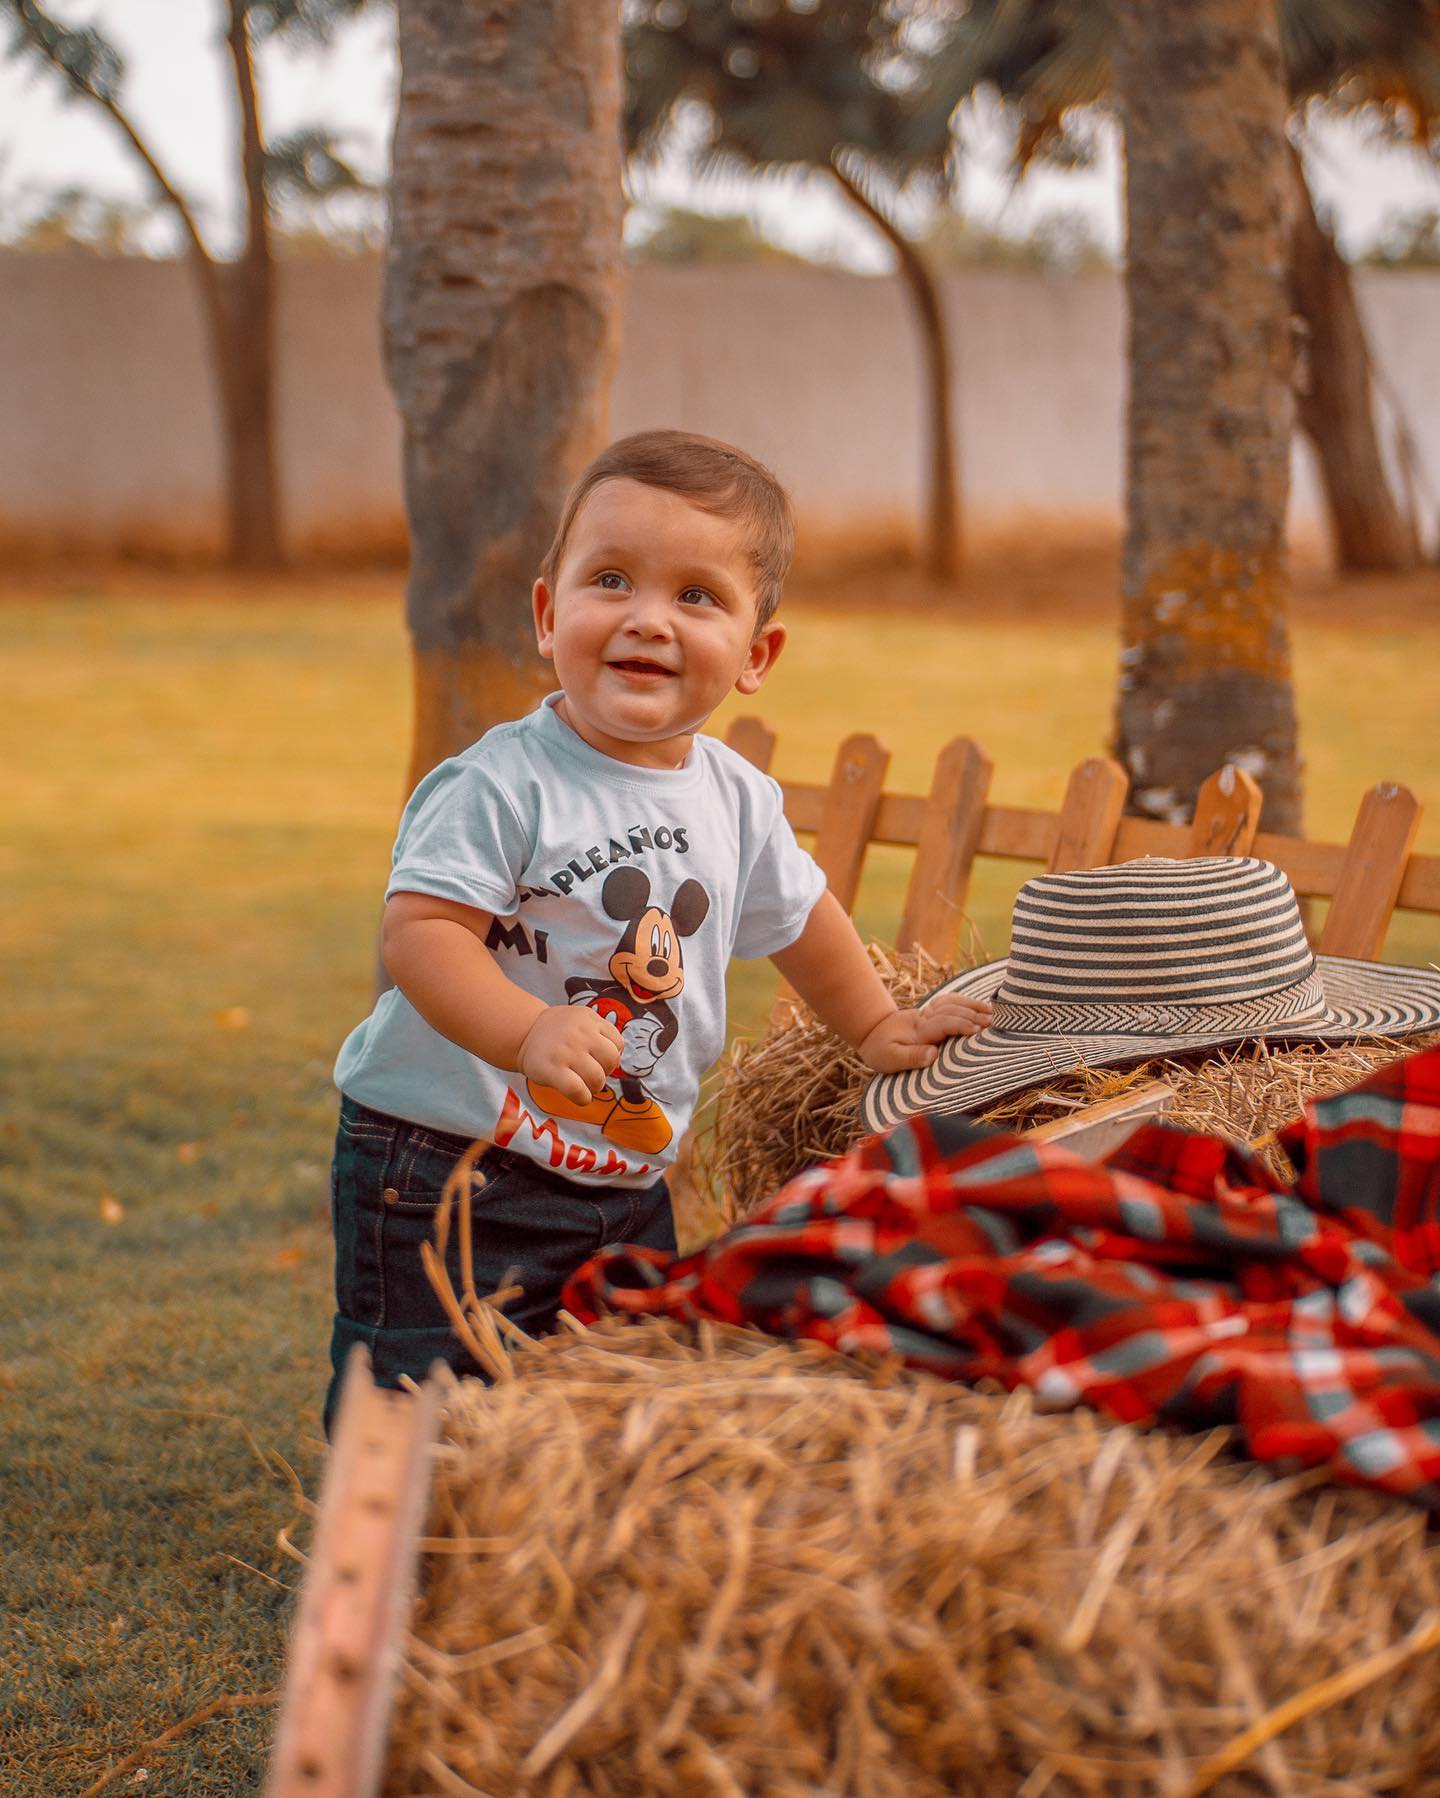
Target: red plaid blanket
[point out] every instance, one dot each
(1174, 1281)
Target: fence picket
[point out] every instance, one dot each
(1372, 873)
(949, 836)
(1227, 813)
(1090, 815)
(847, 826)
(753, 739)
(847, 821)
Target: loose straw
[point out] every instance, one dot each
(660, 1559)
(1325, 1692)
(217, 1707)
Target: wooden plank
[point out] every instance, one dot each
(1090, 815)
(752, 738)
(1420, 889)
(355, 1596)
(1008, 832)
(1227, 814)
(847, 823)
(1374, 869)
(804, 802)
(1314, 868)
(898, 819)
(935, 899)
(1097, 1129)
(1150, 836)
(1015, 833)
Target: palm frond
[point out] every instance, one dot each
(785, 85)
(1044, 59)
(312, 22)
(91, 65)
(306, 164)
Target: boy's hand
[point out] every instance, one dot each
(907, 1039)
(572, 1049)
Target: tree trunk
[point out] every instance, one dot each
(236, 308)
(501, 324)
(942, 545)
(245, 351)
(1205, 673)
(1333, 399)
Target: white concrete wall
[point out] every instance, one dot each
(108, 432)
(108, 438)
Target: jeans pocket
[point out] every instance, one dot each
(421, 1164)
(401, 1219)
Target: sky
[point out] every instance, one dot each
(177, 90)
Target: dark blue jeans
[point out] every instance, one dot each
(531, 1228)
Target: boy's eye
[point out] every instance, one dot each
(697, 596)
(611, 581)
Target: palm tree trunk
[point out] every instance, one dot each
(501, 326)
(942, 547)
(245, 350)
(1205, 672)
(1333, 399)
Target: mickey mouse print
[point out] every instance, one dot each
(645, 973)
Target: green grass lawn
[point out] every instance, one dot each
(200, 796)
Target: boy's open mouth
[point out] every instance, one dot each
(638, 665)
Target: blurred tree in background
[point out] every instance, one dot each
(237, 297)
(1050, 61)
(822, 87)
(1065, 242)
(678, 235)
(71, 218)
(501, 315)
(1205, 673)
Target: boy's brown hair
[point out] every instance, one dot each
(715, 476)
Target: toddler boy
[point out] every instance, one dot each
(564, 899)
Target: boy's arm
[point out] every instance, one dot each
(434, 951)
(828, 967)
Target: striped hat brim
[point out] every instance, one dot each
(1362, 998)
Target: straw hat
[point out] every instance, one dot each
(1154, 957)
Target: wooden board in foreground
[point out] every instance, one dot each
(1093, 1132)
(355, 1597)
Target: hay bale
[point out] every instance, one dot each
(791, 1097)
(721, 1564)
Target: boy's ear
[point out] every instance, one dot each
(765, 647)
(542, 602)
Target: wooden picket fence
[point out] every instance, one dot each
(1365, 879)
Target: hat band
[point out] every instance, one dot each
(1303, 1002)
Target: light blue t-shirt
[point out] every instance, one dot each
(625, 889)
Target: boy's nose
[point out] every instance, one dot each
(649, 615)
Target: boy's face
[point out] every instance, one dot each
(651, 622)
